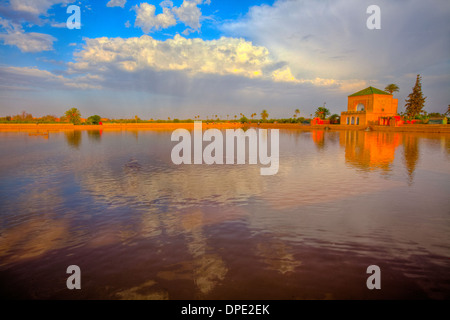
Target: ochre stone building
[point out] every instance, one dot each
(367, 106)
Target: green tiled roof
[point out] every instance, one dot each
(367, 91)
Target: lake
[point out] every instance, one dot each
(140, 227)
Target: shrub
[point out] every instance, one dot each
(243, 119)
(95, 120)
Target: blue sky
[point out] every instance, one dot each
(183, 58)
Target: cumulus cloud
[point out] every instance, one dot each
(192, 74)
(224, 56)
(116, 3)
(13, 34)
(148, 21)
(187, 13)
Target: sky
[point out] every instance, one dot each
(184, 58)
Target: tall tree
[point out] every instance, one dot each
(416, 100)
(391, 88)
(264, 114)
(73, 115)
(322, 113)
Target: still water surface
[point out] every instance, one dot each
(140, 227)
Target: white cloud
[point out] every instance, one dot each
(31, 10)
(116, 3)
(194, 73)
(196, 57)
(14, 35)
(189, 13)
(148, 21)
(36, 7)
(284, 75)
(225, 56)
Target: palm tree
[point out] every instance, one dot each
(391, 88)
(297, 111)
(322, 113)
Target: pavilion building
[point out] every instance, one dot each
(370, 106)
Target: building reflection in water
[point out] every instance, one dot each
(324, 138)
(370, 150)
(318, 137)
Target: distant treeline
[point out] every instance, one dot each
(26, 117)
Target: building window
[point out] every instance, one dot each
(348, 120)
(360, 107)
(357, 121)
(353, 120)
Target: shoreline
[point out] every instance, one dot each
(429, 128)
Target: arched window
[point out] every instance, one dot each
(360, 107)
(357, 121)
(348, 120)
(353, 120)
